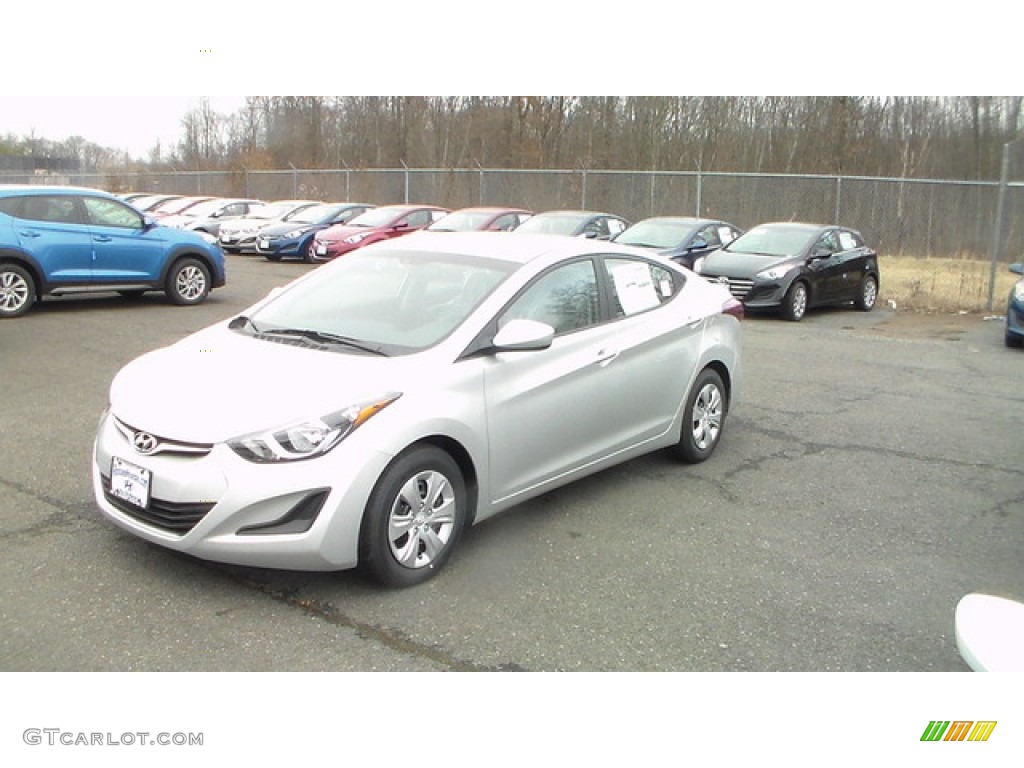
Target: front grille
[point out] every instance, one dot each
(163, 444)
(738, 286)
(171, 516)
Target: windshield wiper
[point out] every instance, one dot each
(322, 337)
(243, 321)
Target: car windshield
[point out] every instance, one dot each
(773, 241)
(202, 210)
(656, 233)
(461, 221)
(270, 211)
(174, 206)
(378, 217)
(380, 300)
(315, 214)
(559, 224)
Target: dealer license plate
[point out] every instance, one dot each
(130, 482)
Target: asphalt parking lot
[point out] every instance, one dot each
(869, 477)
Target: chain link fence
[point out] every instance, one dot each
(898, 216)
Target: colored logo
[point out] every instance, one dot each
(958, 730)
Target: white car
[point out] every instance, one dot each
(445, 377)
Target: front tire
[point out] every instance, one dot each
(703, 418)
(188, 282)
(794, 306)
(413, 519)
(17, 290)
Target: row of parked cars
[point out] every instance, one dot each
(64, 240)
(786, 266)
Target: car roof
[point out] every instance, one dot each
(796, 225)
(491, 209)
(689, 220)
(568, 212)
(34, 189)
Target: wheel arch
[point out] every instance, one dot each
(723, 372)
(26, 262)
(461, 456)
(187, 253)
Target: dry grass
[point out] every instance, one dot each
(943, 285)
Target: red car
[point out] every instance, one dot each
(481, 219)
(382, 223)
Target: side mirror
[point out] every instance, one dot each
(523, 335)
(698, 245)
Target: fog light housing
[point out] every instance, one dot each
(298, 519)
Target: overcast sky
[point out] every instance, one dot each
(140, 71)
(132, 123)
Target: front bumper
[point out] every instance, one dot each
(1015, 318)
(754, 293)
(210, 503)
(321, 251)
(277, 246)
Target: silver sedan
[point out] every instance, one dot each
(409, 390)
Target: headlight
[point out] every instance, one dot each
(306, 439)
(353, 239)
(207, 237)
(698, 264)
(294, 233)
(775, 273)
(1018, 291)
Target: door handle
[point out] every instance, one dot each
(28, 233)
(605, 356)
(102, 238)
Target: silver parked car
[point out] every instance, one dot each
(448, 376)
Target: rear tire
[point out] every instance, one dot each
(17, 290)
(703, 418)
(867, 294)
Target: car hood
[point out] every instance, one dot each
(740, 264)
(219, 384)
(341, 231)
(284, 228)
(236, 225)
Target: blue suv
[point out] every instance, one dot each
(57, 240)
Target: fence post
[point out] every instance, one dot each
(997, 229)
(839, 200)
(405, 174)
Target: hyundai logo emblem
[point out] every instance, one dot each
(144, 442)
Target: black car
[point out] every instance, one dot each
(791, 267)
(590, 224)
(683, 239)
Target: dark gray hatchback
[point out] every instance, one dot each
(792, 267)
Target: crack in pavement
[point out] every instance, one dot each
(390, 638)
